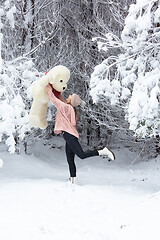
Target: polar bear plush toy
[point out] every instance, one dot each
(57, 77)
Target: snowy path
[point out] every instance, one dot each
(111, 201)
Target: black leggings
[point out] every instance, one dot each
(73, 148)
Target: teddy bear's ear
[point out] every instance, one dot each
(52, 75)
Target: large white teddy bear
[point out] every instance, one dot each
(57, 77)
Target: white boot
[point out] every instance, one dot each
(72, 180)
(106, 153)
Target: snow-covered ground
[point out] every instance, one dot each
(111, 201)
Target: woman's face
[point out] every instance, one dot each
(68, 100)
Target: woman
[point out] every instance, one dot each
(66, 119)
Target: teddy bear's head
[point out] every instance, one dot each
(58, 77)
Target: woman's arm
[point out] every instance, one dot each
(63, 107)
(57, 102)
(58, 95)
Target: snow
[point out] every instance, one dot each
(125, 93)
(111, 200)
(1, 12)
(7, 4)
(1, 163)
(10, 16)
(157, 15)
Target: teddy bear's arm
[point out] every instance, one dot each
(43, 81)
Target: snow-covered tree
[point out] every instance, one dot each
(15, 95)
(16, 77)
(132, 79)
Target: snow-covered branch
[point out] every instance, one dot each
(135, 80)
(15, 82)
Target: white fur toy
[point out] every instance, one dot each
(57, 77)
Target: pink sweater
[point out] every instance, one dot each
(65, 118)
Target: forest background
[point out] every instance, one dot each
(86, 36)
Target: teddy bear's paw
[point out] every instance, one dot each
(43, 125)
(34, 120)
